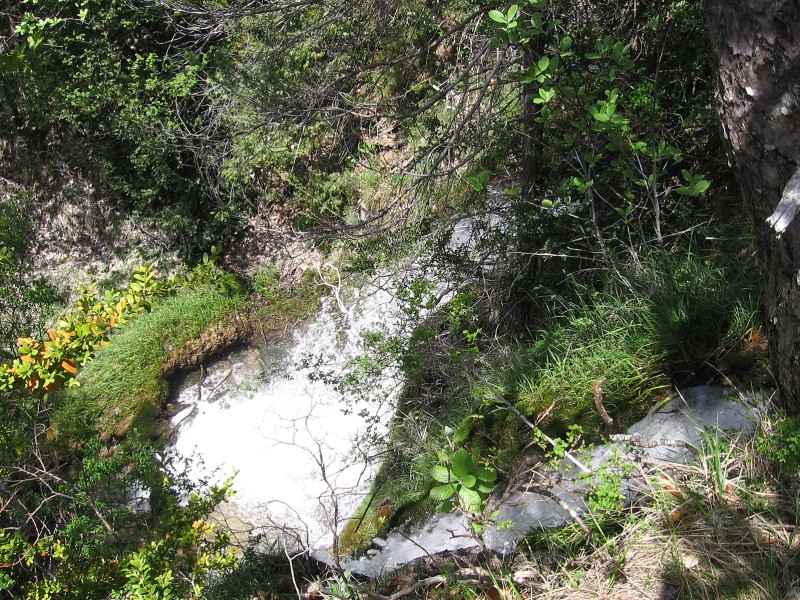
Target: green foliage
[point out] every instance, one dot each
(464, 477)
(783, 444)
(556, 448)
(699, 310)
(51, 364)
(594, 338)
(25, 301)
(479, 181)
(609, 154)
(99, 88)
(606, 495)
(87, 537)
(94, 542)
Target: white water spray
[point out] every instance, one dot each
(303, 453)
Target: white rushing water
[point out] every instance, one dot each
(303, 449)
(303, 453)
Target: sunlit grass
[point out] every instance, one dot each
(125, 382)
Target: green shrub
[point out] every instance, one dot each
(783, 444)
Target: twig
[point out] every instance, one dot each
(418, 545)
(335, 288)
(422, 583)
(598, 402)
(291, 568)
(571, 511)
(636, 440)
(216, 387)
(200, 384)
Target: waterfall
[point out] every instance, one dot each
(303, 446)
(303, 451)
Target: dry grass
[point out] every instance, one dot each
(723, 527)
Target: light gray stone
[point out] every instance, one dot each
(555, 495)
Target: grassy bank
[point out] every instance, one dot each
(126, 383)
(623, 348)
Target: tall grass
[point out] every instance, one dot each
(582, 342)
(699, 311)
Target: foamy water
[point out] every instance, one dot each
(303, 454)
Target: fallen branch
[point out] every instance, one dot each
(567, 454)
(571, 511)
(636, 440)
(473, 579)
(598, 402)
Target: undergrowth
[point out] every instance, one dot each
(619, 346)
(724, 526)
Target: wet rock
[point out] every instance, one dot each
(558, 495)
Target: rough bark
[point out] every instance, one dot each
(755, 53)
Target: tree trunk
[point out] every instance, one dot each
(755, 53)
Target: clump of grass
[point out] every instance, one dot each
(699, 311)
(125, 383)
(275, 303)
(583, 342)
(721, 527)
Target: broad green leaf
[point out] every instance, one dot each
(442, 492)
(470, 500)
(441, 474)
(701, 186)
(497, 16)
(487, 474)
(469, 480)
(543, 63)
(475, 183)
(462, 463)
(512, 12)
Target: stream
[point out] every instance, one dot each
(303, 453)
(302, 445)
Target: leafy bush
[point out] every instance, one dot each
(464, 477)
(93, 541)
(783, 444)
(26, 301)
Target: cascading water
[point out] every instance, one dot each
(303, 453)
(303, 447)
